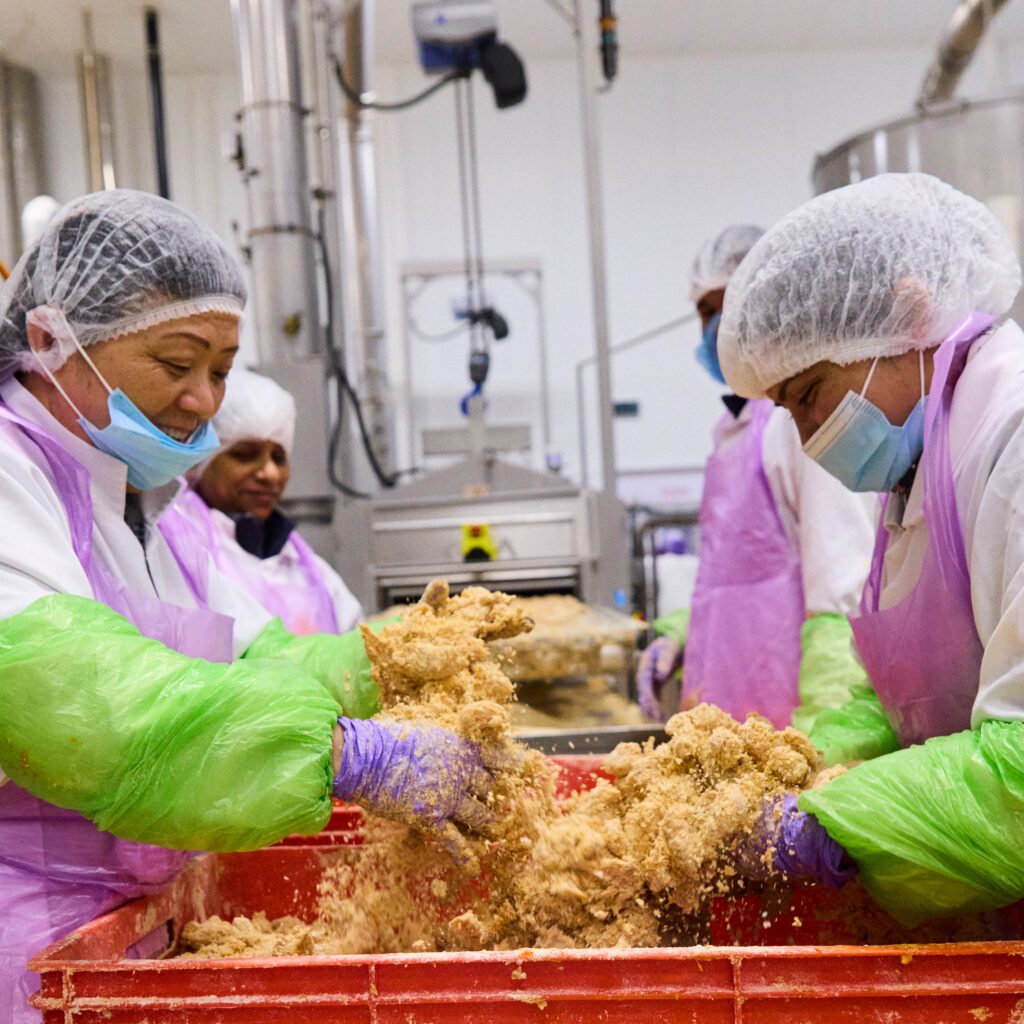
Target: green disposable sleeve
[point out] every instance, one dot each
(154, 746)
(675, 625)
(340, 662)
(935, 829)
(858, 731)
(828, 667)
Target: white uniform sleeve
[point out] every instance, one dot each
(36, 554)
(347, 609)
(995, 554)
(833, 528)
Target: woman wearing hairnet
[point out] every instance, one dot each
(232, 505)
(784, 551)
(148, 706)
(876, 314)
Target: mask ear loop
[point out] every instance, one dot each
(920, 364)
(56, 384)
(871, 373)
(92, 366)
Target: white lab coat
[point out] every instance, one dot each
(36, 554)
(986, 435)
(284, 569)
(831, 528)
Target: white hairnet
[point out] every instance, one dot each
(878, 268)
(111, 263)
(255, 408)
(717, 259)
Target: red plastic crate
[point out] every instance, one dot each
(86, 978)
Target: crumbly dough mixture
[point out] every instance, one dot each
(631, 862)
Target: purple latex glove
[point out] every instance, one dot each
(801, 849)
(420, 775)
(662, 659)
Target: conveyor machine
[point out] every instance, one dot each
(489, 523)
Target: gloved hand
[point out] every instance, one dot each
(420, 775)
(789, 843)
(658, 664)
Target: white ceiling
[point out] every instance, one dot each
(44, 34)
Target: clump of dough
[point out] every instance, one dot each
(632, 862)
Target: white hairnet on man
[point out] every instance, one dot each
(717, 259)
(109, 264)
(877, 268)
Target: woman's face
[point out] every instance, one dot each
(174, 372)
(248, 478)
(812, 396)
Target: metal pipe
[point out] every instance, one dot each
(360, 18)
(156, 98)
(619, 346)
(280, 236)
(586, 53)
(966, 28)
(94, 71)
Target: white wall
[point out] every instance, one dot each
(689, 145)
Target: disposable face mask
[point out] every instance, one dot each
(707, 350)
(860, 447)
(153, 458)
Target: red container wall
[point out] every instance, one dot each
(87, 980)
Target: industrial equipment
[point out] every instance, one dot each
(549, 536)
(309, 184)
(977, 147)
(21, 154)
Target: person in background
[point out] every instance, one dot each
(150, 707)
(876, 315)
(233, 504)
(784, 552)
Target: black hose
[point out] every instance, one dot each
(353, 96)
(156, 94)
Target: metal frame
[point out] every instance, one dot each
(418, 276)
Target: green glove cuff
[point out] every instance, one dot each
(340, 663)
(828, 668)
(675, 625)
(934, 828)
(858, 731)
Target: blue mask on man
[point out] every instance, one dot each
(707, 350)
(860, 447)
(153, 458)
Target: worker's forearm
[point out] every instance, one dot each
(154, 746)
(338, 663)
(933, 827)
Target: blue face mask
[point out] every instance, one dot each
(707, 350)
(153, 458)
(860, 447)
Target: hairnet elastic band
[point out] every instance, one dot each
(228, 304)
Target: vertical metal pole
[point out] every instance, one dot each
(586, 58)
(156, 97)
(360, 61)
(96, 107)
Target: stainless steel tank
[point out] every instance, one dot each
(977, 147)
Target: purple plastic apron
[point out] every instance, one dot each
(923, 655)
(57, 869)
(743, 652)
(304, 607)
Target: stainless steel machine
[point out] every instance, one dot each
(306, 155)
(485, 522)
